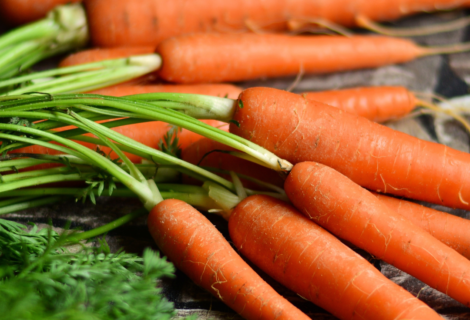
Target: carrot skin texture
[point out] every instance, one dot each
(198, 249)
(148, 22)
(448, 228)
(310, 261)
(378, 104)
(352, 213)
(212, 57)
(17, 12)
(374, 156)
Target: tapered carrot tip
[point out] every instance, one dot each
(354, 214)
(195, 246)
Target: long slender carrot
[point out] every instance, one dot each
(378, 104)
(448, 228)
(372, 155)
(354, 214)
(214, 57)
(148, 22)
(195, 246)
(16, 12)
(312, 262)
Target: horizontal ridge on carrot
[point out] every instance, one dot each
(372, 155)
(352, 213)
(312, 262)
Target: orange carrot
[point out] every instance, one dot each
(378, 104)
(310, 261)
(203, 149)
(354, 214)
(148, 22)
(16, 12)
(372, 155)
(448, 228)
(214, 57)
(193, 244)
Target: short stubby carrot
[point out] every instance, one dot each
(148, 22)
(204, 152)
(310, 261)
(448, 228)
(213, 57)
(198, 249)
(17, 12)
(378, 104)
(372, 155)
(352, 213)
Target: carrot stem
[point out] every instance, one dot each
(63, 29)
(31, 202)
(86, 77)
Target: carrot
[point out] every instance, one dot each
(201, 152)
(16, 12)
(378, 104)
(354, 214)
(214, 57)
(310, 261)
(148, 22)
(372, 155)
(448, 228)
(193, 244)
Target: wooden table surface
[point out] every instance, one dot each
(445, 75)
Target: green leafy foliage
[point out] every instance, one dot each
(41, 279)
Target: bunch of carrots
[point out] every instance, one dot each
(291, 173)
